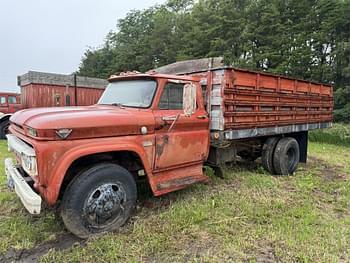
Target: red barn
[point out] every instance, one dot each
(39, 89)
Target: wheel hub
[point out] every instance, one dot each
(105, 203)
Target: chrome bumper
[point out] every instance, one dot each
(30, 199)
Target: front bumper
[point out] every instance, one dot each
(30, 199)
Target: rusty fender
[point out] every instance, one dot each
(65, 161)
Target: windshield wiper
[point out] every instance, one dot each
(118, 104)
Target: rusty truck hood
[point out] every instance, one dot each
(85, 122)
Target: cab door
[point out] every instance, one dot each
(3, 104)
(181, 138)
(13, 103)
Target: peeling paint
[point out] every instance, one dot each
(160, 146)
(176, 183)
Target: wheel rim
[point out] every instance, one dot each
(291, 158)
(105, 205)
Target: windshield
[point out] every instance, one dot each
(132, 93)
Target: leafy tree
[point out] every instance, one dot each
(309, 39)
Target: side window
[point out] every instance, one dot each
(2, 100)
(172, 96)
(204, 95)
(12, 100)
(67, 100)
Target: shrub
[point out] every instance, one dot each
(339, 134)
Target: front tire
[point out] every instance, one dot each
(99, 200)
(4, 127)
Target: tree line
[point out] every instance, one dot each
(308, 39)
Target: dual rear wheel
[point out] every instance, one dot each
(280, 156)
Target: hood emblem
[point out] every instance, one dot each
(63, 133)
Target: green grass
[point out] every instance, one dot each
(18, 229)
(339, 134)
(247, 216)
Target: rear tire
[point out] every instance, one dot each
(4, 126)
(286, 156)
(267, 154)
(99, 200)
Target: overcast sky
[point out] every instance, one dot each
(52, 35)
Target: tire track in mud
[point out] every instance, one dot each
(62, 242)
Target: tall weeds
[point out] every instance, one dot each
(339, 134)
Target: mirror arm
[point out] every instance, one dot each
(175, 120)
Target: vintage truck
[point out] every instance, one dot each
(10, 102)
(162, 129)
(41, 89)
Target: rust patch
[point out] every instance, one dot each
(160, 146)
(176, 183)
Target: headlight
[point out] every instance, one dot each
(32, 132)
(29, 164)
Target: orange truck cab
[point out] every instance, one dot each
(153, 127)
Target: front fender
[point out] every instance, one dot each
(4, 117)
(51, 191)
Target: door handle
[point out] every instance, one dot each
(169, 118)
(202, 116)
(172, 119)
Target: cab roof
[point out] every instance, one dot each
(9, 93)
(151, 75)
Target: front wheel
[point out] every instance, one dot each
(4, 129)
(99, 200)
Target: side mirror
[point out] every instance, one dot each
(189, 99)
